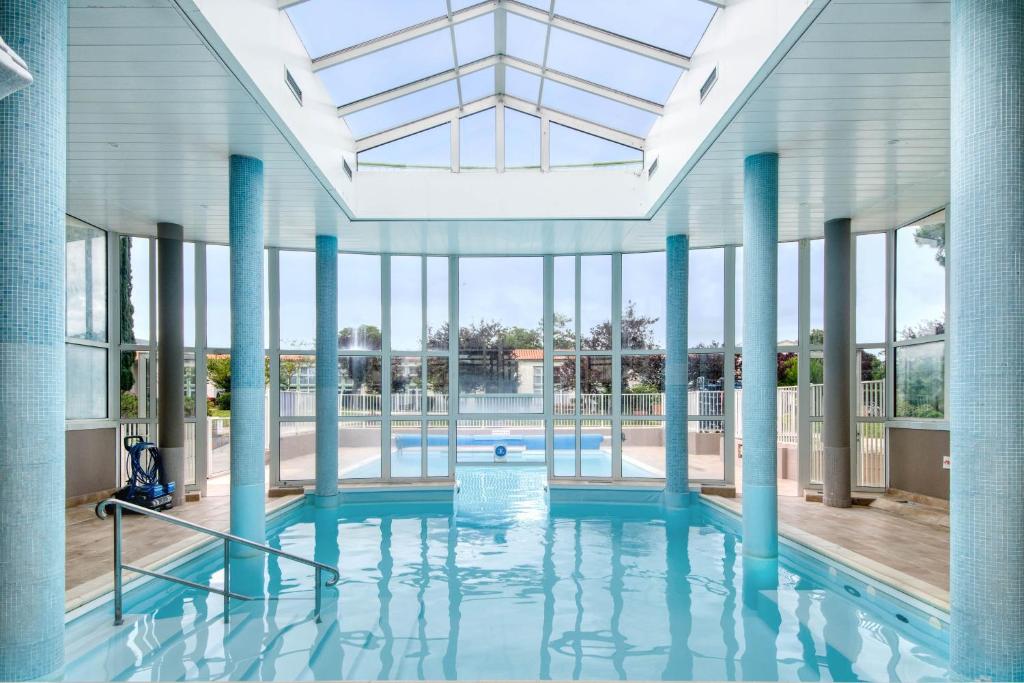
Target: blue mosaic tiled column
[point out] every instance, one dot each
(326, 370)
(677, 255)
(760, 297)
(986, 339)
(245, 237)
(33, 149)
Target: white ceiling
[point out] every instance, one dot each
(858, 111)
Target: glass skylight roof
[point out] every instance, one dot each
(399, 69)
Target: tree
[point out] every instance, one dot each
(363, 337)
(563, 334)
(127, 372)
(218, 369)
(933, 235)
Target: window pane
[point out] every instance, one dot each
(521, 84)
(437, 448)
(360, 385)
(134, 290)
(870, 454)
(643, 448)
(474, 39)
(477, 85)
(389, 68)
(406, 303)
(565, 303)
(739, 296)
(643, 385)
(676, 25)
(190, 385)
(596, 448)
(429, 150)
(597, 109)
(437, 386)
(921, 278)
(218, 411)
(871, 389)
(218, 298)
(359, 301)
(437, 303)
(325, 26)
(500, 336)
(86, 390)
(871, 300)
(571, 148)
(920, 380)
(595, 385)
(817, 383)
(564, 457)
(477, 141)
(298, 299)
(298, 451)
(705, 447)
(189, 292)
(643, 300)
(611, 66)
(522, 140)
(596, 302)
(297, 385)
(406, 385)
(565, 384)
(789, 275)
(85, 254)
(359, 445)
(525, 38)
(136, 375)
(706, 285)
(406, 449)
(705, 384)
(817, 248)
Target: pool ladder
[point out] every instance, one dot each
(120, 566)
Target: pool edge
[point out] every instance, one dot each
(905, 586)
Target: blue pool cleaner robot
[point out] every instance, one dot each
(147, 483)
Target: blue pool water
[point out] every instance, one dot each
(593, 462)
(508, 588)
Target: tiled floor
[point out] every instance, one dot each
(146, 541)
(906, 553)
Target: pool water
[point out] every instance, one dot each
(509, 588)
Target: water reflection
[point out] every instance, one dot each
(508, 589)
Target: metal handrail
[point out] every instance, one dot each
(119, 565)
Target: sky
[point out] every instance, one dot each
(325, 26)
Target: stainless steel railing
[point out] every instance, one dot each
(120, 565)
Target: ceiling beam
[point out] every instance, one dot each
(441, 118)
(496, 60)
(571, 121)
(598, 34)
(416, 86)
(404, 35)
(585, 85)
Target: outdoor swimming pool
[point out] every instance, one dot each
(508, 588)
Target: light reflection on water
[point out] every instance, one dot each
(507, 589)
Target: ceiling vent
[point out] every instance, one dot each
(346, 168)
(653, 168)
(292, 85)
(709, 84)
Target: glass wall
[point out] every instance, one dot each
(920, 319)
(87, 344)
(593, 396)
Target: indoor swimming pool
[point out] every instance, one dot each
(509, 587)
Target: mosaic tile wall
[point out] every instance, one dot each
(760, 303)
(986, 340)
(677, 255)
(33, 150)
(245, 236)
(326, 369)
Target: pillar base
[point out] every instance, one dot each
(760, 522)
(836, 491)
(676, 500)
(326, 502)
